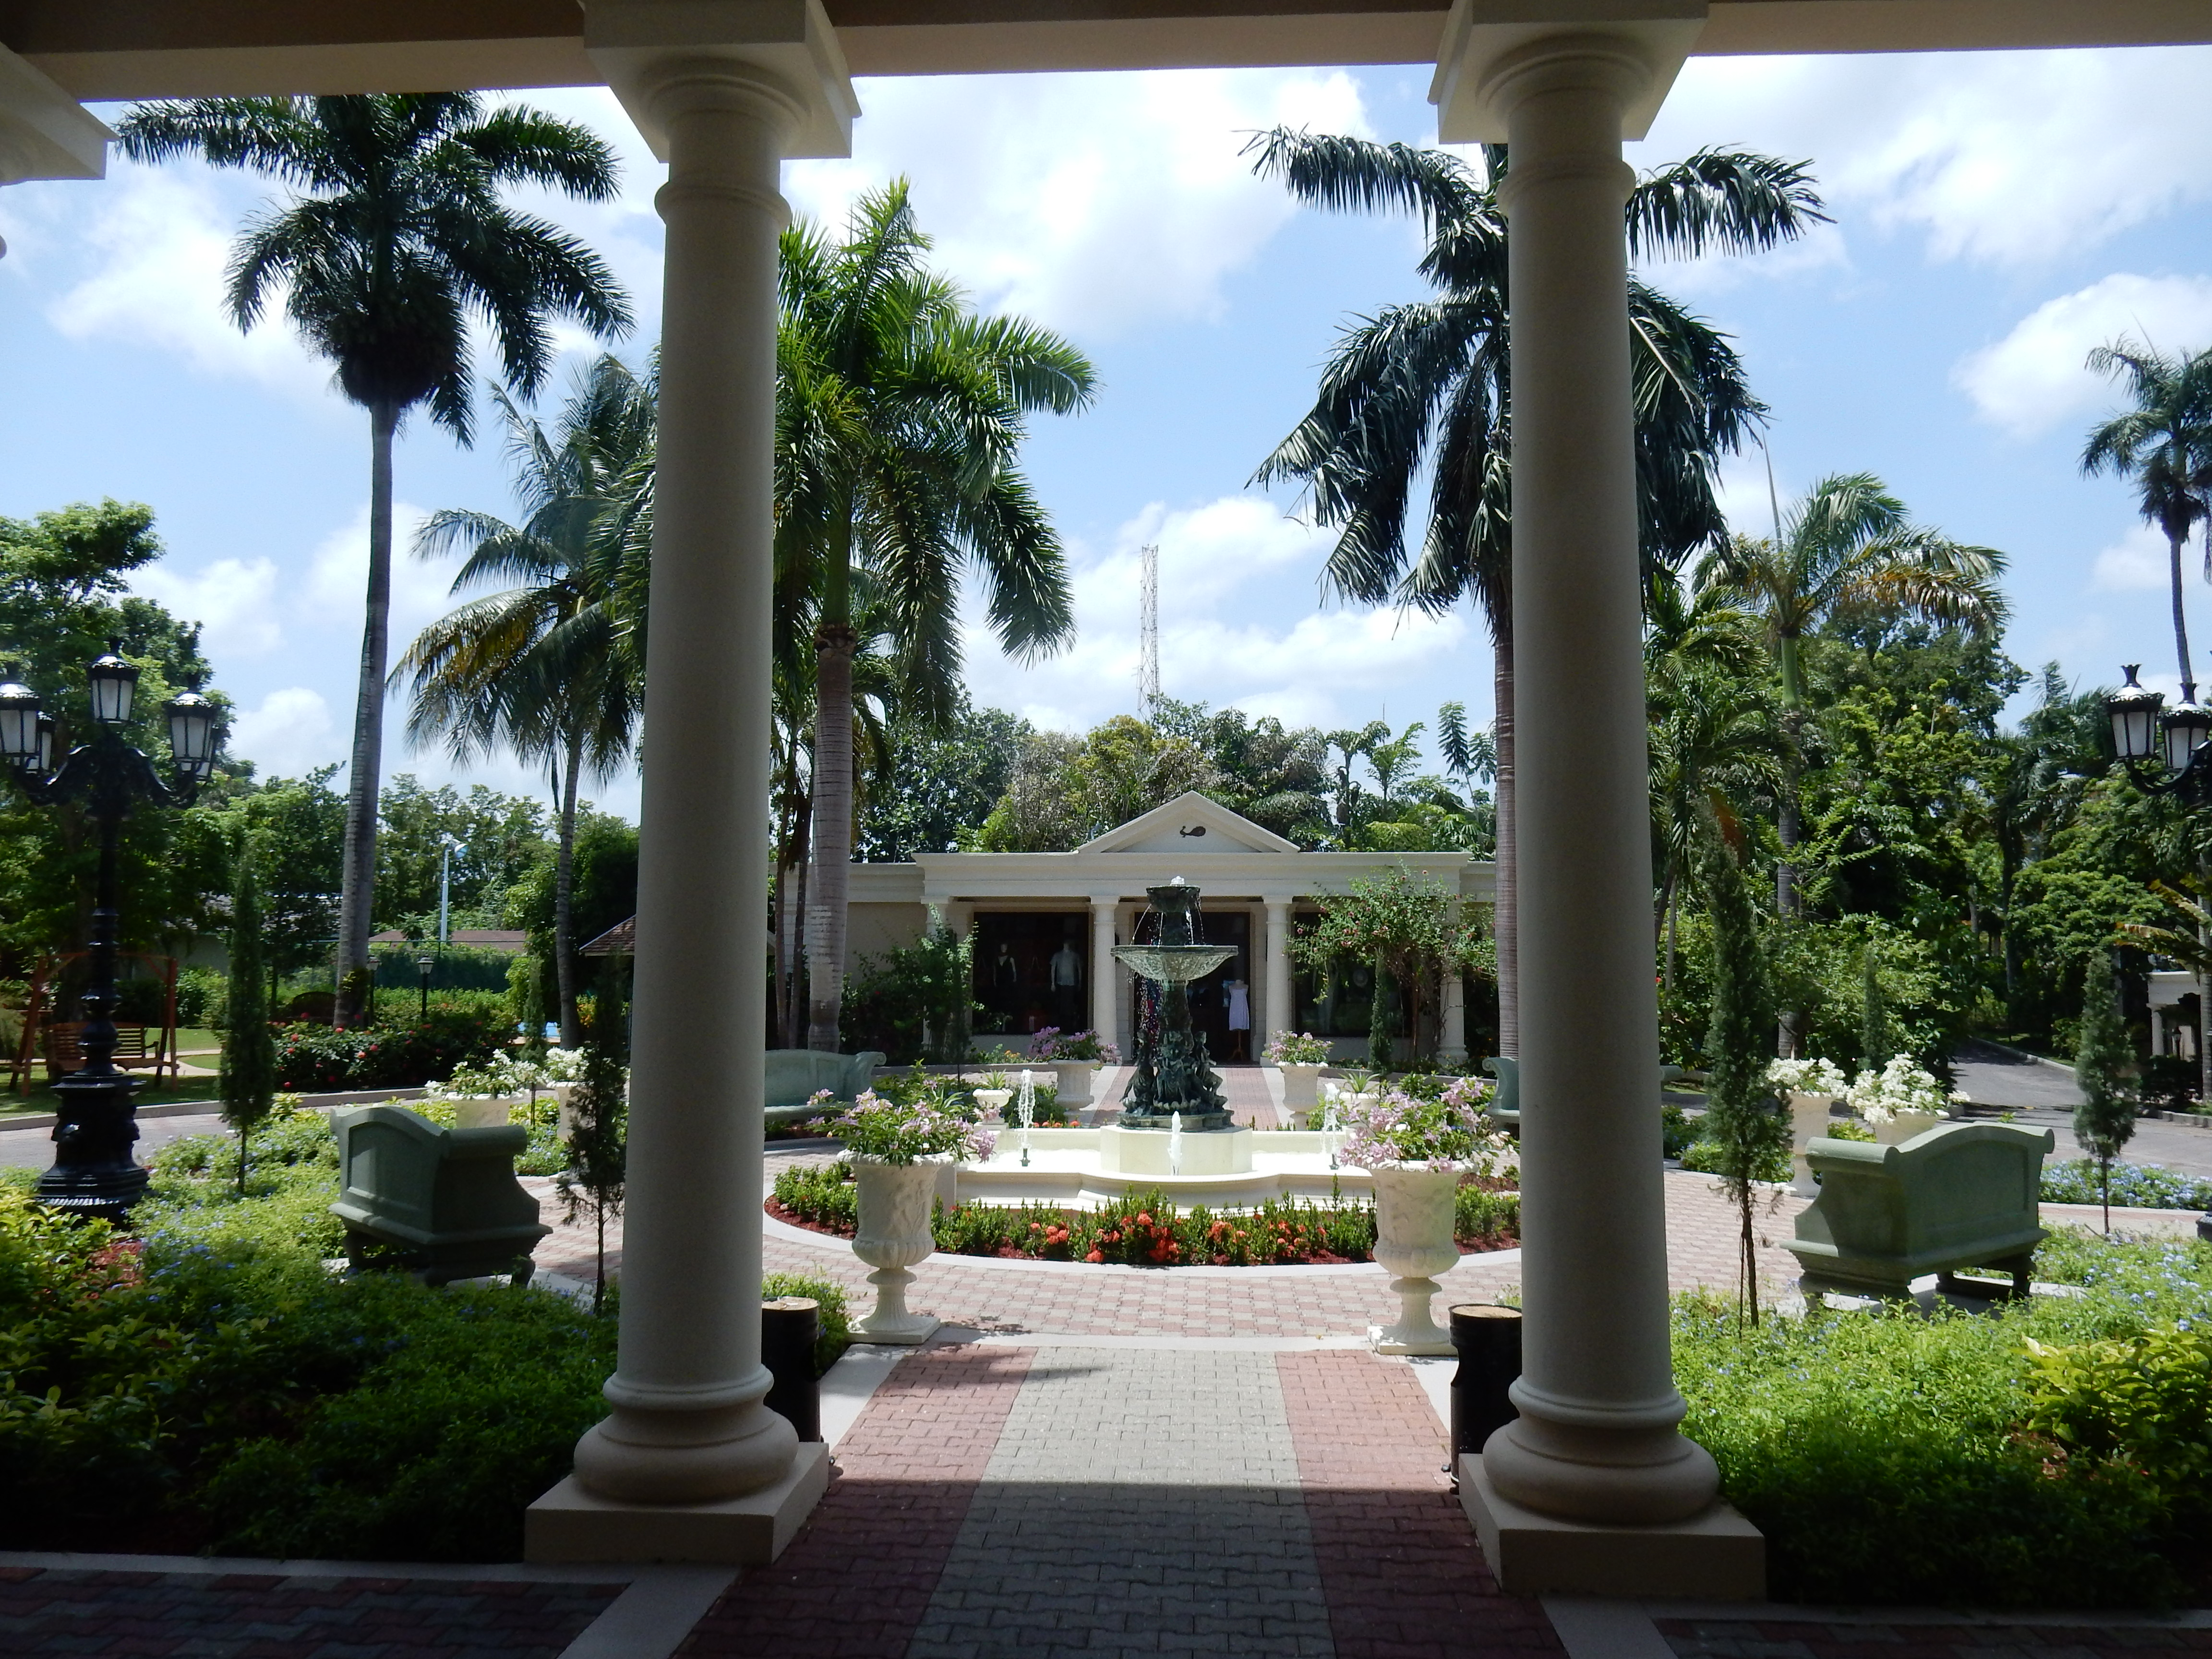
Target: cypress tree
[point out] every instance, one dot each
(1877, 1043)
(599, 1118)
(2105, 1119)
(1743, 1120)
(248, 1079)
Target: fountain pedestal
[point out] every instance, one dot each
(1148, 1152)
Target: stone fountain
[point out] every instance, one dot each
(1175, 1133)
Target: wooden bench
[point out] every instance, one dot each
(1960, 1195)
(65, 1050)
(440, 1204)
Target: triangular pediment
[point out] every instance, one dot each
(1193, 825)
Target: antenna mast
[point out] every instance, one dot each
(1148, 654)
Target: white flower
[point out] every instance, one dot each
(1806, 1077)
(1900, 1086)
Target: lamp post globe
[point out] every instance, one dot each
(2184, 728)
(192, 732)
(2133, 710)
(114, 684)
(19, 723)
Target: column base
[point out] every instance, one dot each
(1714, 1556)
(570, 1524)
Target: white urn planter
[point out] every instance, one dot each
(1809, 1121)
(486, 1111)
(1301, 1087)
(1903, 1125)
(1413, 1215)
(1073, 1080)
(993, 1101)
(893, 1234)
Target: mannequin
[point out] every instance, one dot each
(1239, 1018)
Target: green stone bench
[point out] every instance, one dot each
(1960, 1195)
(442, 1204)
(791, 1076)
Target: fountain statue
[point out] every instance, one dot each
(1174, 1073)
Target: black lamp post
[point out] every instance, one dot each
(93, 1172)
(423, 964)
(2165, 750)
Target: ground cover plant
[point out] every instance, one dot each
(1142, 1229)
(2049, 1455)
(2135, 1186)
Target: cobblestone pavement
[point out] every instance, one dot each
(52, 1610)
(1768, 1638)
(1238, 1502)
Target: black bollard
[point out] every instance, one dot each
(788, 1327)
(1488, 1341)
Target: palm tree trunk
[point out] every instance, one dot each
(786, 942)
(2180, 619)
(795, 995)
(357, 893)
(1506, 914)
(835, 646)
(564, 893)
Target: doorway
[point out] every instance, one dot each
(1216, 999)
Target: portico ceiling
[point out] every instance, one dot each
(114, 49)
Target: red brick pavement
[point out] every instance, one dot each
(1770, 1638)
(857, 1581)
(1125, 1300)
(1398, 1559)
(56, 1611)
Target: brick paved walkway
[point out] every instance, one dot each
(264, 1617)
(1229, 1502)
(1767, 1639)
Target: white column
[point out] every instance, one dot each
(1596, 1437)
(1453, 1044)
(1279, 1005)
(688, 1425)
(1103, 968)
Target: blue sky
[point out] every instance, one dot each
(1998, 214)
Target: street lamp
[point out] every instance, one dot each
(93, 1173)
(423, 966)
(446, 848)
(2165, 750)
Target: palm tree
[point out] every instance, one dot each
(899, 417)
(2165, 444)
(395, 242)
(1427, 387)
(1847, 546)
(547, 666)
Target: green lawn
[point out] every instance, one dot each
(41, 1099)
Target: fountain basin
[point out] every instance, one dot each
(1088, 1168)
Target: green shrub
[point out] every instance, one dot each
(835, 1333)
(823, 1195)
(1704, 1158)
(1487, 1218)
(202, 998)
(314, 1058)
(1677, 1133)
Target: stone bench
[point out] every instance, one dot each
(793, 1076)
(441, 1204)
(1960, 1195)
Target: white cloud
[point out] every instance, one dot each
(337, 585)
(2139, 560)
(233, 601)
(2036, 375)
(291, 732)
(1098, 202)
(2008, 157)
(158, 240)
(1241, 624)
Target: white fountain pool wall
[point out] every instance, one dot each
(1086, 1168)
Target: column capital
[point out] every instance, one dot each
(666, 57)
(44, 132)
(1497, 52)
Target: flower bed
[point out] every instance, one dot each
(1142, 1230)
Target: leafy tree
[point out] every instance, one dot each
(1063, 791)
(939, 789)
(1847, 548)
(1424, 389)
(547, 668)
(604, 892)
(395, 240)
(248, 1076)
(1270, 775)
(297, 828)
(2105, 1122)
(1743, 1120)
(498, 839)
(1412, 929)
(1876, 1042)
(599, 1121)
(63, 595)
(2165, 444)
(900, 415)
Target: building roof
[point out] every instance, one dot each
(619, 940)
(512, 939)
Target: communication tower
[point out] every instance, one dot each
(1148, 654)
